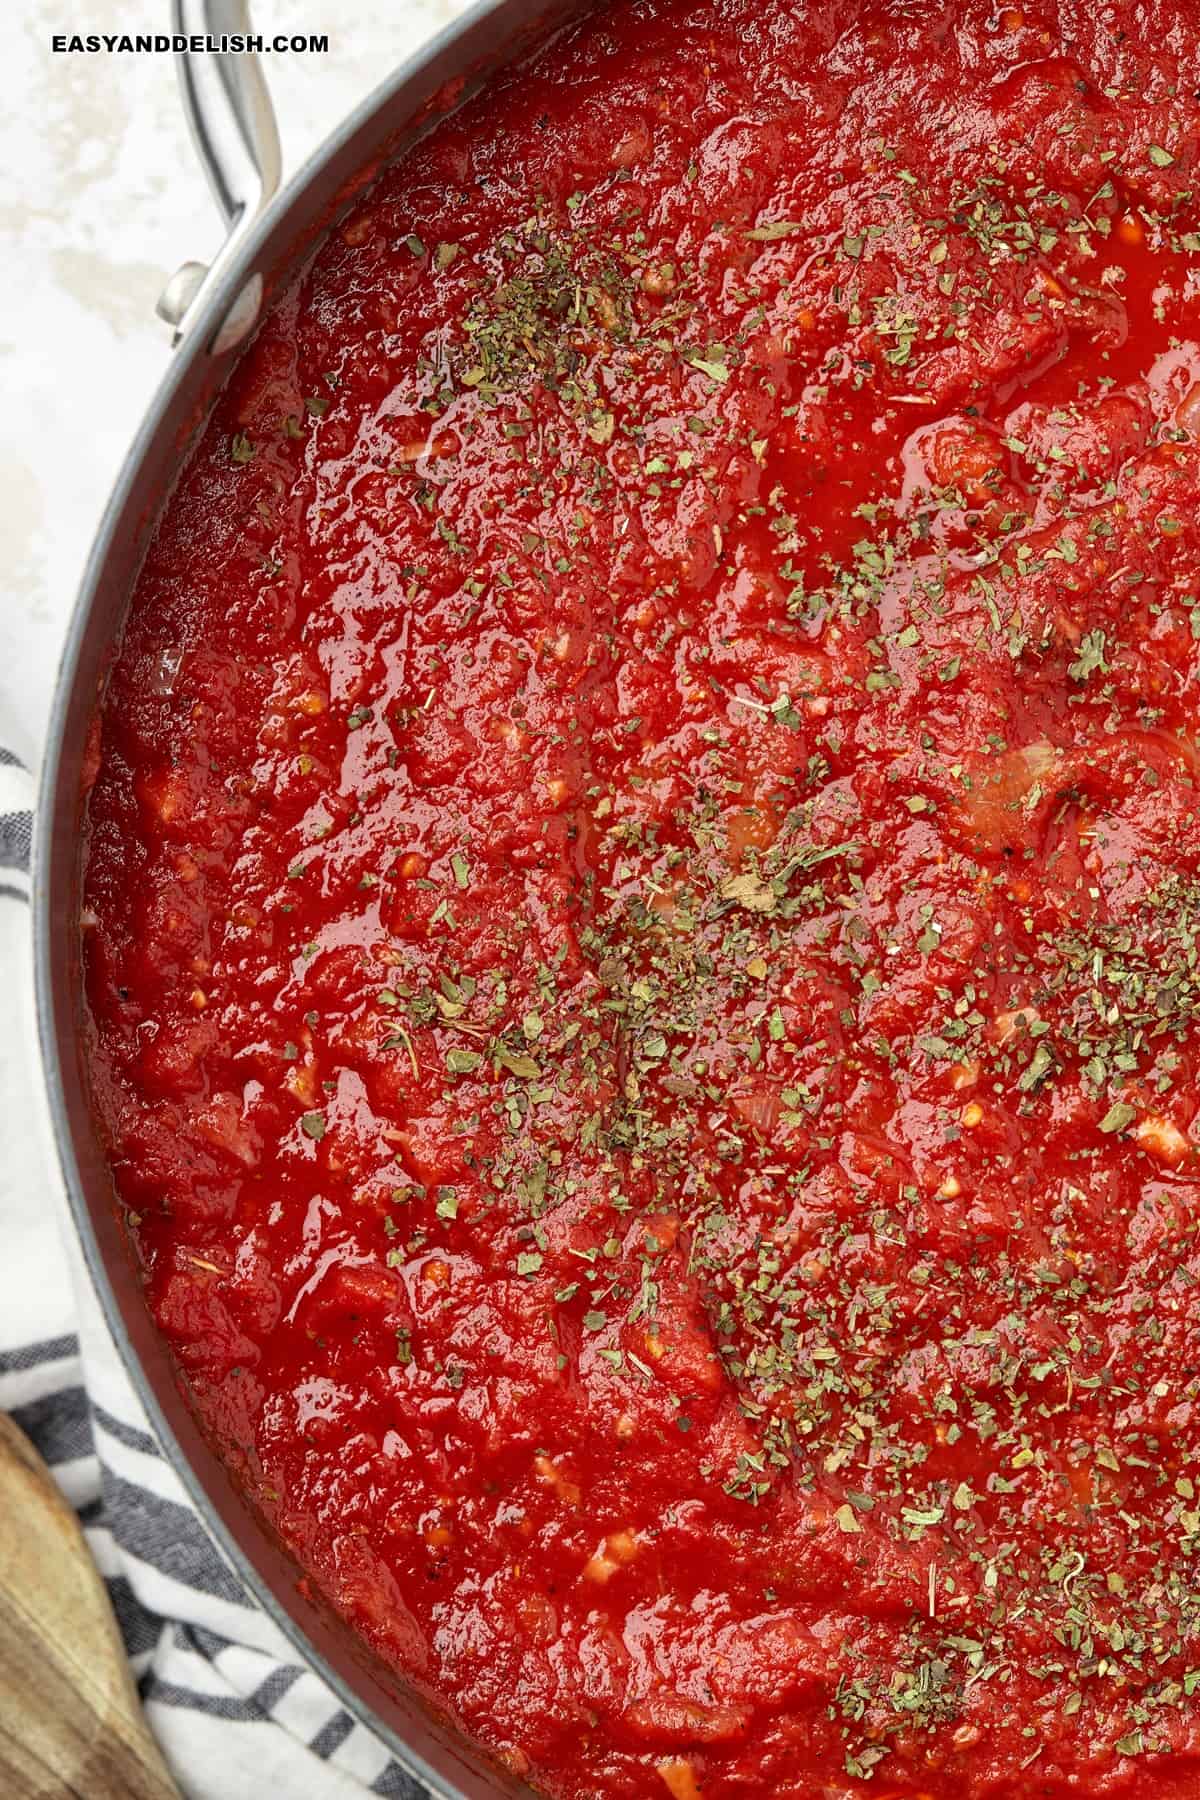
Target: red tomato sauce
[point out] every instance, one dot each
(641, 907)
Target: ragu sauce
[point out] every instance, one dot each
(642, 933)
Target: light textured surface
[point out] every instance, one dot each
(102, 199)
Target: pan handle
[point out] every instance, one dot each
(233, 127)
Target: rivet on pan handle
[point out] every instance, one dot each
(233, 126)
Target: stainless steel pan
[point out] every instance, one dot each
(213, 310)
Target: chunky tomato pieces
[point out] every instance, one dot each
(642, 923)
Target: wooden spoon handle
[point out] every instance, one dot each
(71, 1724)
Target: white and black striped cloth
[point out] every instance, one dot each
(236, 1716)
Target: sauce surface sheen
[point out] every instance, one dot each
(641, 921)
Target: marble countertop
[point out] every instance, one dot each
(105, 198)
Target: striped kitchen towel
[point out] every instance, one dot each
(234, 1713)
